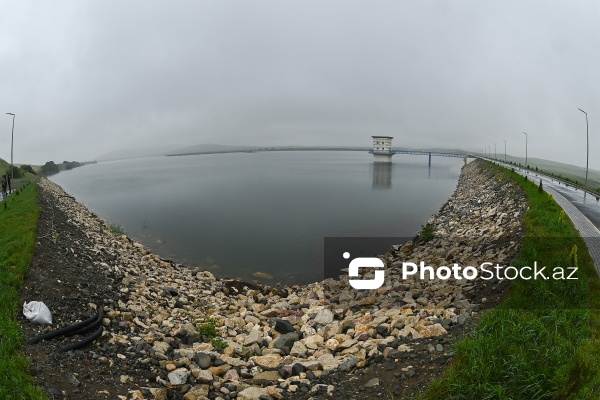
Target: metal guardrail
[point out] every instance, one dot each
(566, 183)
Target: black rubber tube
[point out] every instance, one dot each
(84, 342)
(63, 331)
(89, 327)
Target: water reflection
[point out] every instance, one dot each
(382, 176)
(238, 214)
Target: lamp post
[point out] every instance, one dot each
(587, 131)
(504, 150)
(12, 138)
(489, 151)
(526, 135)
(495, 153)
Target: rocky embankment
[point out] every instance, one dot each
(176, 332)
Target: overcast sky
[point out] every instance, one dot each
(88, 77)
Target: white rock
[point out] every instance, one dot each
(298, 349)
(252, 393)
(324, 317)
(313, 342)
(270, 361)
(161, 347)
(179, 376)
(205, 376)
(332, 344)
(253, 337)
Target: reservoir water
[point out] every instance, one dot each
(242, 213)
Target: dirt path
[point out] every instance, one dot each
(64, 278)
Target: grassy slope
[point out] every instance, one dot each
(17, 238)
(543, 341)
(5, 167)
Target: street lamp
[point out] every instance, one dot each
(495, 153)
(489, 151)
(504, 150)
(12, 137)
(526, 149)
(588, 146)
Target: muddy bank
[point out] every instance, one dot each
(176, 332)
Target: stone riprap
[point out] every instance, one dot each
(277, 342)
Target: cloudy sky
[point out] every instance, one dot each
(88, 77)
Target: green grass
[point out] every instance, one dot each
(17, 239)
(208, 328)
(219, 343)
(543, 340)
(116, 229)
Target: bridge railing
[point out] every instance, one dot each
(424, 153)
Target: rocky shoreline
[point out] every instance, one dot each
(176, 332)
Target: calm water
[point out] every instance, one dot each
(238, 214)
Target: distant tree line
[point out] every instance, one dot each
(71, 164)
(50, 168)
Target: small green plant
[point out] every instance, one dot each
(208, 328)
(563, 216)
(116, 229)
(427, 233)
(219, 343)
(573, 262)
(550, 198)
(246, 353)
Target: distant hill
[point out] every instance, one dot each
(208, 148)
(135, 153)
(218, 148)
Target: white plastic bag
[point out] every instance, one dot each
(37, 312)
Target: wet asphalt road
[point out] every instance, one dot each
(584, 202)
